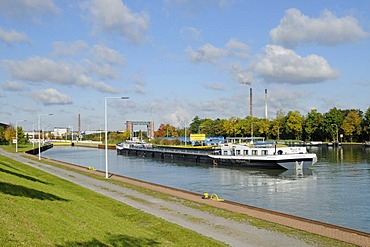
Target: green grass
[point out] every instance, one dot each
(314, 239)
(38, 209)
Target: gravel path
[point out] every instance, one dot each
(224, 230)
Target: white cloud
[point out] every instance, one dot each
(206, 54)
(12, 86)
(43, 70)
(52, 96)
(278, 64)
(26, 8)
(12, 36)
(103, 53)
(240, 74)
(209, 53)
(238, 48)
(296, 28)
(113, 16)
(69, 49)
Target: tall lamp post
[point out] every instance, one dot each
(16, 134)
(33, 135)
(39, 126)
(106, 130)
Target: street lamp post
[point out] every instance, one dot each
(39, 126)
(106, 130)
(33, 135)
(16, 134)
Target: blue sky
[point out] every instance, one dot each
(177, 59)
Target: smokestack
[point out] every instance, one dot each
(265, 103)
(250, 103)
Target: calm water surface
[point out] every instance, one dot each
(336, 190)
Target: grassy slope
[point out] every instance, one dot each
(38, 209)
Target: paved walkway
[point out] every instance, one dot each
(225, 230)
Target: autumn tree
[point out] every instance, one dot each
(165, 130)
(352, 124)
(9, 134)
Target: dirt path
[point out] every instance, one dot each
(219, 228)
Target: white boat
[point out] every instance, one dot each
(264, 155)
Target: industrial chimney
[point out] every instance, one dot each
(250, 103)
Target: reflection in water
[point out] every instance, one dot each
(335, 190)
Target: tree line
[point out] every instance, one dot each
(336, 125)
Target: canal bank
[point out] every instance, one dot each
(335, 232)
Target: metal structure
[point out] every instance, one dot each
(149, 125)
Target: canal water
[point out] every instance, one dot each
(335, 190)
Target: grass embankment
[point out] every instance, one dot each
(38, 209)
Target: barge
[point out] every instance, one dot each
(259, 155)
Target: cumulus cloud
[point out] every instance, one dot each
(278, 64)
(24, 9)
(98, 59)
(209, 53)
(240, 74)
(296, 28)
(206, 54)
(12, 86)
(238, 48)
(114, 17)
(12, 36)
(42, 70)
(103, 53)
(52, 96)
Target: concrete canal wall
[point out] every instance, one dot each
(42, 149)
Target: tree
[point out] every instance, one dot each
(366, 125)
(332, 119)
(2, 135)
(352, 124)
(21, 137)
(165, 130)
(312, 125)
(9, 134)
(294, 124)
(194, 125)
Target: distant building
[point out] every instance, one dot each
(60, 132)
(4, 125)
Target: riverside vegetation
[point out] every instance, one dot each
(38, 209)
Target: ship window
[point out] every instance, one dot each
(225, 152)
(245, 152)
(254, 152)
(264, 152)
(237, 152)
